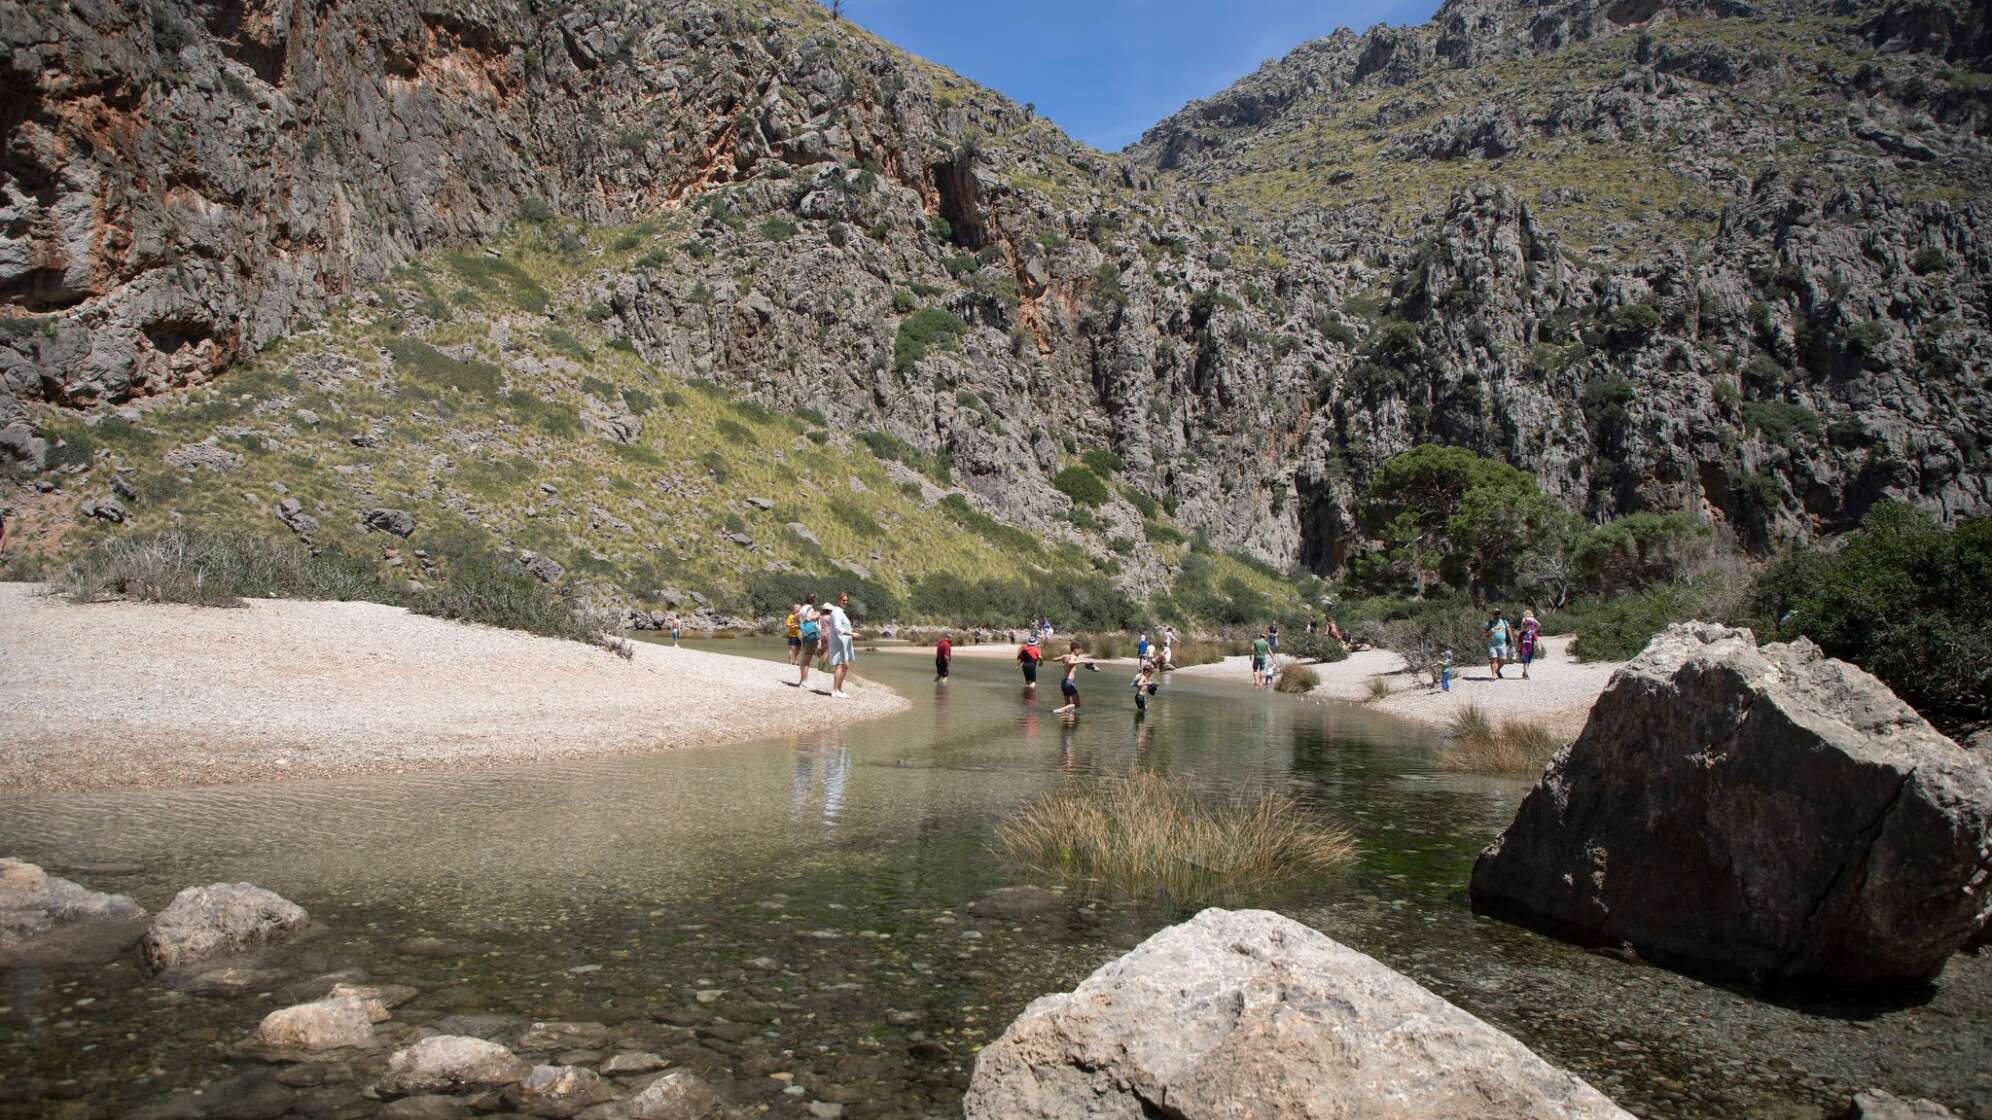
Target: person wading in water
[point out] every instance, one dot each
(1028, 656)
(1072, 660)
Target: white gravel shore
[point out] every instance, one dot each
(121, 695)
(1558, 694)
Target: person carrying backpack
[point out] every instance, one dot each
(809, 635)
(1028, 656)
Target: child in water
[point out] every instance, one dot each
(1144, 686)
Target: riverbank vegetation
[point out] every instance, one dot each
(1147, 835)
(1476, 744)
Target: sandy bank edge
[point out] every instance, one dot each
(140, 695)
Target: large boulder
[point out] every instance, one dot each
(448, 1063)
(216, 920)
(1769, 814)
(45, 918)
(325, 1024)
(1240, 1014)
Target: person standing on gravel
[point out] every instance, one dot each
(1497, 642)
(1262, 654)
(792, 627)
(843, 639)
(1526, 643)
(809, 634)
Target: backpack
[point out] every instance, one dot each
(809, 631)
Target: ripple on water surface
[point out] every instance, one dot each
(800, 907)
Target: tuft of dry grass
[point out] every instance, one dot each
(1379, 689)
(1148, 835)
(1475, 744)
(1296, 677)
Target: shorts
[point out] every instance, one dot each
(840, 650)
(795, 643)
(1140, 700)
(1030, 671)
(1068, 688)
(1258, 664)
(808, 648)
(1497, 651)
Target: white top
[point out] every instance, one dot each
(840, 623)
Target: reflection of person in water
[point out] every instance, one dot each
(822, 768)
(1067, 761)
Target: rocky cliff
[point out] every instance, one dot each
(1705, 256)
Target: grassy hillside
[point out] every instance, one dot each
(480, 392)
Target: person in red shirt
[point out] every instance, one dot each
(943, 654)
(1028, 656)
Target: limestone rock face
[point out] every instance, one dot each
(326, 1024)
(1250, 1014)
(42, 914)
(1767, 813)
(451, 1063)
(212, 921)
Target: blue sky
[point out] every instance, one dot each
(1105, 70)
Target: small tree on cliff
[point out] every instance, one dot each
(1446, 514)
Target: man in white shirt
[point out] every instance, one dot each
(842, 645)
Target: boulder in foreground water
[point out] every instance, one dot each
(213, 921)
(558, 1091)
(448, 1063)
(1769, 814)
(46, 918)
(1241, 1014)
(325, 1024)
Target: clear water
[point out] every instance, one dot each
(814, 890)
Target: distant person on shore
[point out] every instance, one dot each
(1497, 642)
(809, 637)
(1273, 637)
(943, 657)
(1141, 648)
(1527, 642)
(792, 626)
(843, 641)
(1262, 653)
(1335, 632)
(1168, 647)
(674, 629)
(1028, 656)
(1072, 659)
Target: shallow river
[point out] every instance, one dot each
(799, 908)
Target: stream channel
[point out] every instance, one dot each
(792, 917)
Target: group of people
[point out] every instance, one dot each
(1518, 643)
(821, 633)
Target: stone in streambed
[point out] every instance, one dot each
(48, 919)
(1769, 814)
(639, 1062)
(558, 1091)
(1247, 1014)
(450, 1064)
(1874, 1104)
(564, 1036)
(216, 920)
(678, 1095)
(429, 1106)
(326, 1024)
(380, 999)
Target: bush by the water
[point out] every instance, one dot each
(1089, 602)
(1904, 598)
(1148, 835)
(1295, 676)
(1516, 747)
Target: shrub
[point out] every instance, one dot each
(215, 570)
(1779, 421)
(1147, 835)
(902, 301)
(920, 332)
(438, 369)
(1424, 639)
(1295, 676)
(1397, 342)
(478, 586)
(771, 593)
(1475, 744)
(1928, 260)
(1104, 463)
(1160, 534)
(778, 229)
(1081, 485)
(1904, 598)
(1639, 550)
(1633, 324)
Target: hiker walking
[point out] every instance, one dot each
(809, 636)
(943, 657)
(1528, 640)
(1072, 659)
(842, 642)
(1262, 652)
(1141, 648)
(1497, 642)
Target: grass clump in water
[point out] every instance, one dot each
(1517, 747)
(1148, 835)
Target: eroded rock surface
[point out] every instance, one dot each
(44, 917)
(1250, 1014)
(326, 1024)
(216, 920)
(451, 1064)
(1767, 813)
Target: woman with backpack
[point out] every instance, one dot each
(809, 634)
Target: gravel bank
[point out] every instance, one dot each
(120, 695)
(1558, 694)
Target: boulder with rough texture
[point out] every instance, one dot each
(379, 999)
(39, 912)
(1249, 1014)
(325, 1024)
(1765, 813)
(558, 1091)
(1874, 1104)
(215, 920)
(678, 1095)
(399, 522)
(448, 1063)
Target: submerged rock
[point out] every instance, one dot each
(326, 1024)
(559, 1091)
(213, 921)
(45, 917)
(564, 1036)
(1246, 1014)
(449, 1064)
(678, 1095)
(1765, 813)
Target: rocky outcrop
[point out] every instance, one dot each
(44, 917)
(1247, 1013)
(1769, 813)
(451, 1064)
(1876, 1104)
(205, 922)
(326, 1024)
